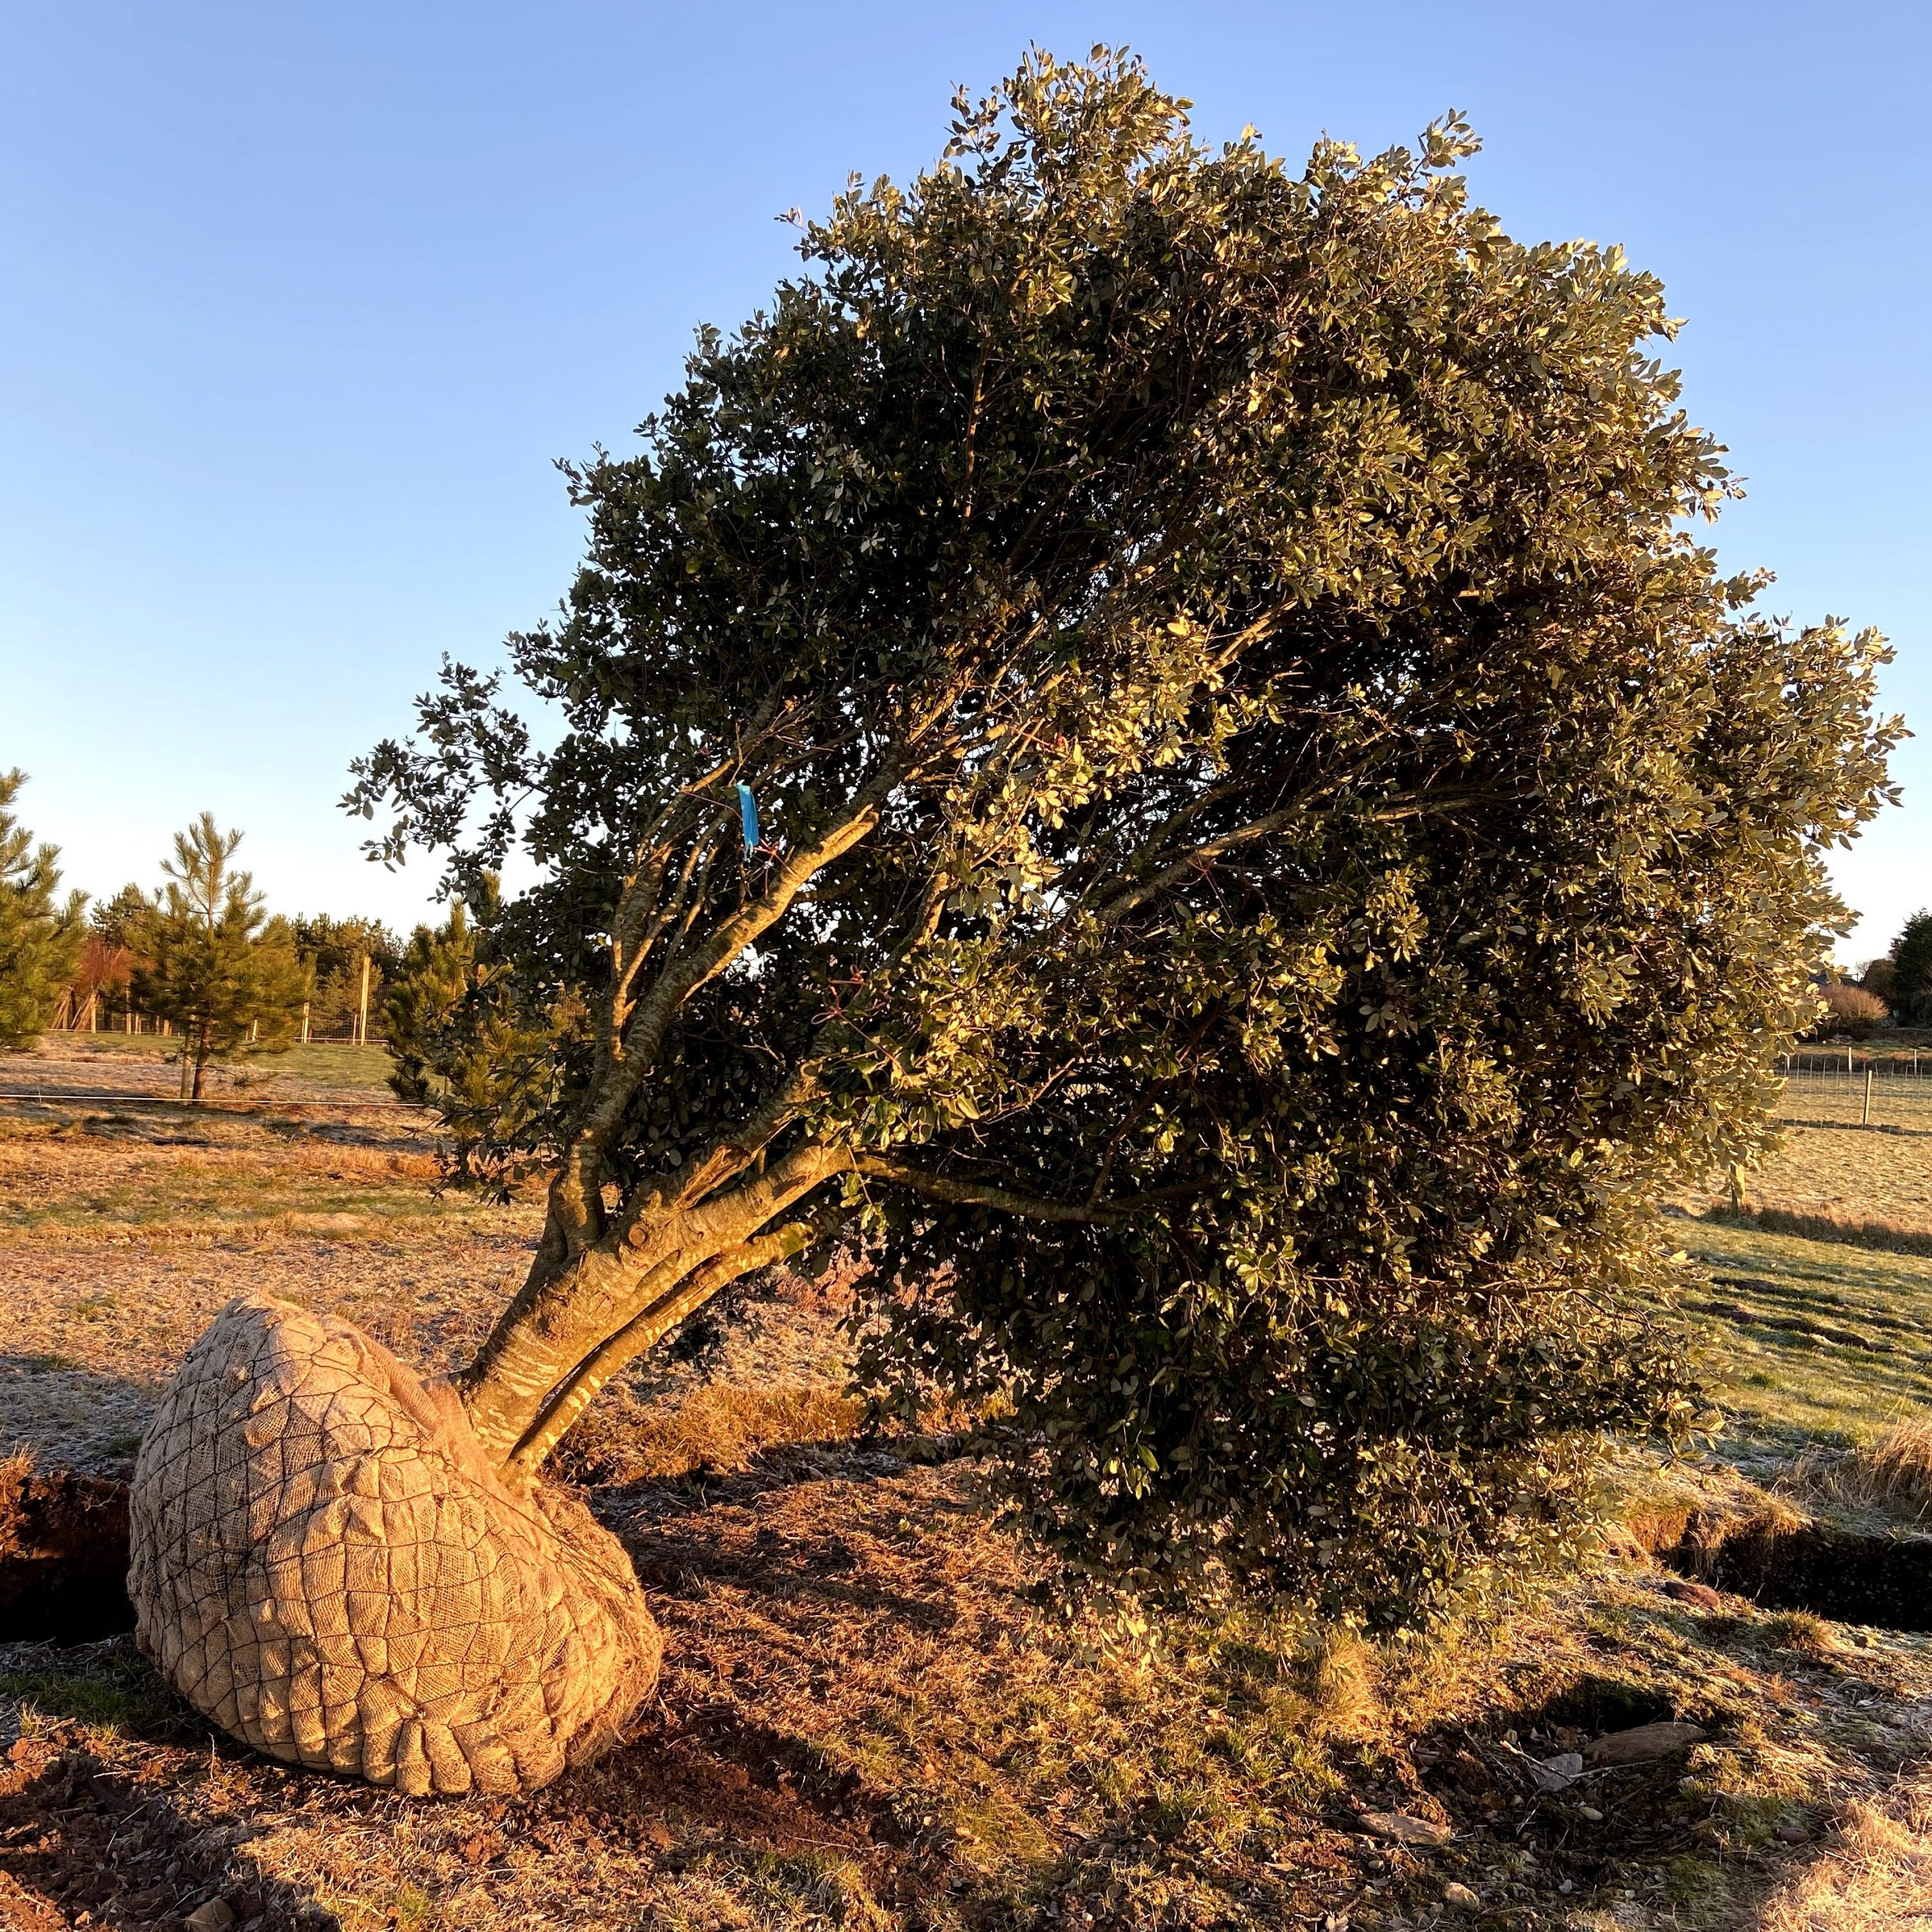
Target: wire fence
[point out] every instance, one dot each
(86, 1016)
(1893, 1090)
(1849, 1062)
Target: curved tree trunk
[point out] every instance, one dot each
(349, 1567)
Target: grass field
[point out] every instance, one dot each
(871, 1717)
(364, 1070)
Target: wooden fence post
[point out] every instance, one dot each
(362, 1014)
(1867, 1121)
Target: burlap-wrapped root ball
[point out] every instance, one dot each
(324, 1564)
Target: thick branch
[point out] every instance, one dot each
(687, 971)
(976, 1194)
(574, 1395)
(1197, 858)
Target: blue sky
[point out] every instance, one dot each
(302, 300)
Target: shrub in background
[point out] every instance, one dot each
(465, 1044)
(1851, 1010)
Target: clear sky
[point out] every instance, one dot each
(301, 301)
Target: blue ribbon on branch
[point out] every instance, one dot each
(748, 812)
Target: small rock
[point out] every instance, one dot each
(215, 1916)
(1559, 1773)
(1699, 1596)
(1458, 1897)
(1590, 1812)
(1404, 1827)
(1641, 1743)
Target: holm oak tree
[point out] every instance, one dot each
(1152, 738)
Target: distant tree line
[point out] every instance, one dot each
(199, 958)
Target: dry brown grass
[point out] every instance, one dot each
(1876, 1877)
(1892, 1474)
(1831, 1179)
(718, 1426)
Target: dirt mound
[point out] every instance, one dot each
(63, 1555)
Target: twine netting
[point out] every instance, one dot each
(324, 1564)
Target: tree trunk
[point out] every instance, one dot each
(583, 1312)
(345, 1566)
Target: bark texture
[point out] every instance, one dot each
(325, 1564)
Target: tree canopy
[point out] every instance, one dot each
(1273, 842)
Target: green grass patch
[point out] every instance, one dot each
(1810, 1340)
(118, 1692)
(326, 1064)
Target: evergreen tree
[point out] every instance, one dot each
(112, 919)
(334, 951)
(40, 938)
(211, 962)
(463, 1044)
(1148, 734)
(1912, 971)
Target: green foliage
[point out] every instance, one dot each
(462, 1044)
(40, 937)
(113, 920)
(1278, 844)
(209, 959)
(1912, 971)
(332, 951)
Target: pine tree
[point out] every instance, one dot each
(465, 1045)
(227, 976)
(1912, 970)
(112, 918)
(40, 939)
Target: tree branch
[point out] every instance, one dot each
(975, 1194)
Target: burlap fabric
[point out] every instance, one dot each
(324, 1564)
